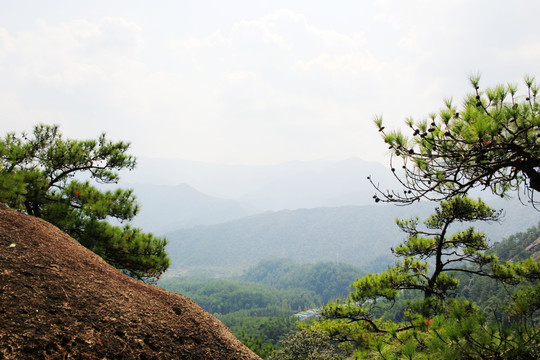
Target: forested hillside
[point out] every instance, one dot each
(520, 246)
(491, 294)
(346, 234)
(259, 305)
(327, 280)
(358, 235)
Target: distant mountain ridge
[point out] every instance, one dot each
(307, 211)
(167, 208)
(352, 234)
(187, 194)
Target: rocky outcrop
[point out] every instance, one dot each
(60, 300)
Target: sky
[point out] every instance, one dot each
(252, 82)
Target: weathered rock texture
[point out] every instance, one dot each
(59, 300)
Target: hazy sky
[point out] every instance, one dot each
(252, 82)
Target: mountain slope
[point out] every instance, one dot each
(59, 300)
(166, 208)
(352, 234)
(290, 185)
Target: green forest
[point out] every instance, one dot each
(260, 306)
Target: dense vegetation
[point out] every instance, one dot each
(478, 310)
(257, 314)
(225, 296)
(327, 280)
(259, 305)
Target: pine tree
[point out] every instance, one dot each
(42, 175)
(491, 142)
(437, 326)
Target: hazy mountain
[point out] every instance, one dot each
(291, 185)
(166, 208)
(226, 181)
(347, 234)
(338, 183)
(354, 234)
(330, 226)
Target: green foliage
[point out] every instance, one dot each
(492, 142)
(328, 280)
(266, 329)
(432, 324)
(258, 314)
(463, 333)
(258, 308)
(40, 175)
(256, 345)
(221, 296)
(309, 344)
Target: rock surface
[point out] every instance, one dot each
(59, 300)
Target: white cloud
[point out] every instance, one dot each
(262, 88)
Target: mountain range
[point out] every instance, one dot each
(172, 207)
(358, 235)
(221, 219)
(188, 193)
